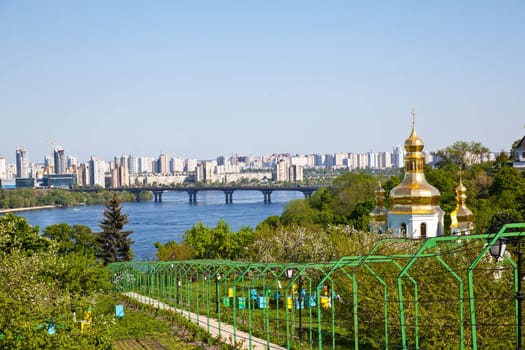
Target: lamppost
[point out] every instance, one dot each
(497, 250)
(217, 279)
(178, 290)
(289, 275)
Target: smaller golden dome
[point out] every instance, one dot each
(464, 214)
(461, 217)
(380, 191)
(379, 213)
(461, 189)
(414, 143)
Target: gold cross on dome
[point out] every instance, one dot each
(413, 116)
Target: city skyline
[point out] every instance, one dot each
(204, 79)
(76, 160)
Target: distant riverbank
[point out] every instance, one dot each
(14, 210)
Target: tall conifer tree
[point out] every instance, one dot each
(113, 242)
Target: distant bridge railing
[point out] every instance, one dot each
(398, 293)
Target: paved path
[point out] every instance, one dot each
(225, 331)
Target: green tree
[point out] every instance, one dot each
(75, 264)
(513, 149)
(499, 219)
(350, 189)
(463, 153)
(40, 286)
(17, 234)
(298, 212)
(360, 217)
(72, 239)
(199, 238)
(113, 243)
(218, 242)
(173, 251)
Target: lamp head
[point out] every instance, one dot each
(498, 249)
(289, 273)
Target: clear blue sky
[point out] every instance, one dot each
(198, 79)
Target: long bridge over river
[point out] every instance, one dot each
(193, 190)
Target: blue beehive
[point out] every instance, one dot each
(119, 311)
(312, 300)
(241, 303)
(261, 302)
(297, 306)
(253, 294)
(50, 328)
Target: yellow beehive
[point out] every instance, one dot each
(325, 302)
(84, 325)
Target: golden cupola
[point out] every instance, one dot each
(414, 195)
(462, 217)
(378, 217)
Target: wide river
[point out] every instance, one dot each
(168, 220)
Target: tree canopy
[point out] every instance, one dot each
(45, 278)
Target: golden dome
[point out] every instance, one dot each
(461, 190)
(461, 216)
(414, 195)
(414, 143)
(379, 213)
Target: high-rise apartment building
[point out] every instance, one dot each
(162, 164)
(362, 160)
(119, 176)
(281, 171)
(59, 160)
(372, 160)
(146, 165)
(71, 162)
(319, 160)
(97, 169)
(384, 160)
(295, 173)
(85, 178)
(116, 163)
(204, 171)
(133, 164)
(300, 160)
(329, 160)
(22, 163)
(191, 164)
(124, 161)
(3, 168)
(398, 156)
(221, 160)
(244, 161)
(177, 165)
(340, 159)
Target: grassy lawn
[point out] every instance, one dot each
(146, 328)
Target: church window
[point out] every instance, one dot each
(423, 230)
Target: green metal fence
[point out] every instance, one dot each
(400, 294)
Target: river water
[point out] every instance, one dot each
(168, 220)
